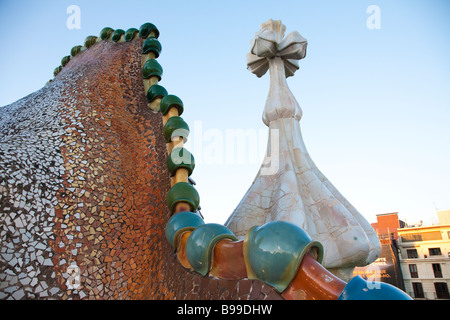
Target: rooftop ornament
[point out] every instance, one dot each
(280, 254)
(289, 187)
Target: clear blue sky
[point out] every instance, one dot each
(376, 103)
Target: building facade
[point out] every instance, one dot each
(424, 254)
(387, 267)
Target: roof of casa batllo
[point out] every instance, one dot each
(84, 183)
(97, 200)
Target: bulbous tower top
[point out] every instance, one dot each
(292, 188)
(270, 50)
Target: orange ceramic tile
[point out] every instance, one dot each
(228, 260)
(181, 251)
(313, 282)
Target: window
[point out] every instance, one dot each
(437, 270)
(433, 235)
(441, 290)
(411, 237)
(412, 253)
(421, 236)
(435, 251)
(418, 290)
(413, 271)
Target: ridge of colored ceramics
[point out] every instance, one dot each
(273, 252)
(179, 223)
(156, 91)
(175, 127)
(65, 60)
(180, 158)
(152, 44)
(170, 101)
(57, 70)
(152, 68)
(359, 289)
(76, 50)
(146, 29)
(90, 40)
(131, 34)
(117, 34)
(201, 242)
(183, 192)
(106, 33)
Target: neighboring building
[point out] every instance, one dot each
(415, 258)
(387, 267)
(425, 259)
(444, 217)
(387, 225)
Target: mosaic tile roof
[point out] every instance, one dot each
(83, 184)
(96, 201)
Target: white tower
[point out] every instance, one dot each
(288, 186)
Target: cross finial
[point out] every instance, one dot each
(269, 42)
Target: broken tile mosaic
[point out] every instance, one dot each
(83, 185)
